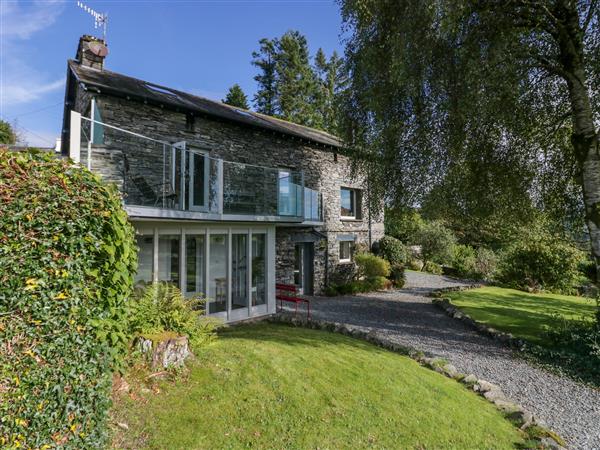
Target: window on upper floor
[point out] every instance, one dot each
(350, 200)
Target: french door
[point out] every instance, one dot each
(190, 177)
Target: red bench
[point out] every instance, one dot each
(287, 293)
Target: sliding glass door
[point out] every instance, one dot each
(217, 270)
(233, 267)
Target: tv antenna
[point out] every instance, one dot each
(100, 19)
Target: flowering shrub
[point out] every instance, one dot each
(67, 255)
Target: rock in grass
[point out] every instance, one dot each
(469, 379)
(450, 370)
(494, 395)
(485, 386)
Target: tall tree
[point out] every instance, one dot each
(330, 82)
(265, 99)
(437, 86)
(296, 80)
(7, 134)
(236, 97)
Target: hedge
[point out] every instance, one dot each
(67, 254)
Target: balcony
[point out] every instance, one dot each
(164, 180)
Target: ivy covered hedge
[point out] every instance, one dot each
(67, 255)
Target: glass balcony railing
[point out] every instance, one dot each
(157, 174)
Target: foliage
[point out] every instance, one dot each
(415, 264)
(433, 267)
(463, 260)
(436, 242)
(482, 149)
(486, 263)
(403, 224)
(392, 250)
(560, 327)
(398, 276)
(578, 344)
(370, 266)
(185, 414)
(290, 88)
(67, 255)
(161, 307)
(470, 263)
(540, 260)
(7, 134)
(236, 97)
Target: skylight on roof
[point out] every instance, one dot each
(160, 89)
(245, 113)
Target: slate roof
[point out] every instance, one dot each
(116, 83)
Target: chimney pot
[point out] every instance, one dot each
(91, 52)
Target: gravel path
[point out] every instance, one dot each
(407, 317)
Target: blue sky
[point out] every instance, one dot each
(202, 47)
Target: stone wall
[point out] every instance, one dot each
(323, 168)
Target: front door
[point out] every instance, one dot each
(304, 258)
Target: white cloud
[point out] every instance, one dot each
(20, 81)
(20, 22)
(19, 92)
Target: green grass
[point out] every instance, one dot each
(523, 314)
(273, 386)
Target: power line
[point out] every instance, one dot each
(38, 110)
(31, 132)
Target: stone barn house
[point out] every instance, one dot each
(226, 202)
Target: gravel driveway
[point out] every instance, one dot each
(407, 317)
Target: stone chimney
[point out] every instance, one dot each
(91, 52)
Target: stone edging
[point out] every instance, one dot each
(491, 392)
(454, 312)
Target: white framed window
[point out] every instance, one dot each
(350, 203)
(346, 250)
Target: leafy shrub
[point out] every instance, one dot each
(369, 266)
(436, 242)
(539, 260)
(331, 290)
(432, 267)
(576, 345)
(415, 264)
(397, 276)
(463, 260)
(67, 255)
(358, 286)
(161, 307)
(588, 269)
(486, 263)
(392, 250)
(470, 263)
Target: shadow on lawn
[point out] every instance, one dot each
(531, 318)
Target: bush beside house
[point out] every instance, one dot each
(371, 275)
(67, 255)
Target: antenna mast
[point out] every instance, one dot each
(100, 19)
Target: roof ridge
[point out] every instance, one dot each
(270, 120)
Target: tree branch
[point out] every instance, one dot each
(590, 14)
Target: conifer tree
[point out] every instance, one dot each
(236, 97)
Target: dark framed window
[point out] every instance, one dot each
(350, 200)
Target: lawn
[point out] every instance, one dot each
(273, 386)
(523, 314)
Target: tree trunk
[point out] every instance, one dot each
(585, 138)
